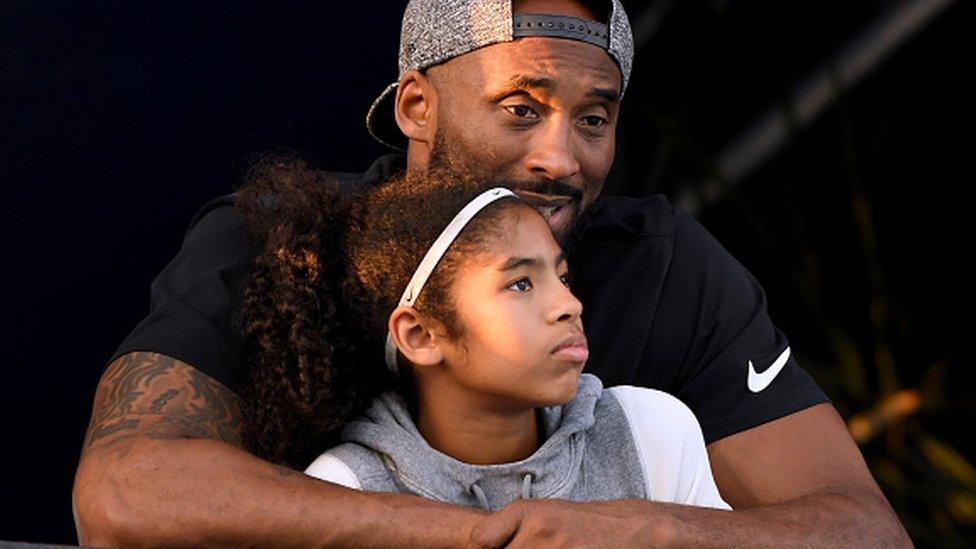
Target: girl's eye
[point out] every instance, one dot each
(565, 279)
(521, 285)
(522, 111)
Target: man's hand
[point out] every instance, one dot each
(562, 524)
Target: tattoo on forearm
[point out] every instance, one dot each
(121, 425)
(159, 397)
(157, 405)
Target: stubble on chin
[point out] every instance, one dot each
(453, 157)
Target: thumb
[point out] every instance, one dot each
(497, 529)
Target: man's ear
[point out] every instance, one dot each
(416, 107)
(414, 336)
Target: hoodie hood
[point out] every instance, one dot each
(388, 429)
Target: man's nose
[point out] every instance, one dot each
(552, 155)
(566, 308)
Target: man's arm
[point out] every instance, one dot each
(162, 465)
(799, 481)
(802, 479)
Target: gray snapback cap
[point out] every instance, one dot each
(435, 31)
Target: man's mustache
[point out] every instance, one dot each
(554, 188)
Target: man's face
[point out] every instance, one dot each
(539, 112)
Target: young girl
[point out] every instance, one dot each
(466, 351)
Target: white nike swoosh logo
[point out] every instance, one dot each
(757, 382)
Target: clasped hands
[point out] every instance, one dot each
(560, 523)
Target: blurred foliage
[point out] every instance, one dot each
(894, 408)
(854, 225)
(905, 418)
(931, 484)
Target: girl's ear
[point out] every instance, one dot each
(416, 107)
(413, 335)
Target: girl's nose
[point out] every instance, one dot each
(567, 308)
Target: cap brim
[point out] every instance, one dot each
(381, 121)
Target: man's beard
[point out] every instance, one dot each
(455, 158)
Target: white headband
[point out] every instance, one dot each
(436, 252)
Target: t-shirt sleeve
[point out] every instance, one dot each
(734, 367)
(194, 301)
(330, 468)
(672, 451)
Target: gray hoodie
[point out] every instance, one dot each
(598, 446)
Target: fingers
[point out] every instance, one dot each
(558, 523)
(497, 529)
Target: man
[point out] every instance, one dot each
(533, 98)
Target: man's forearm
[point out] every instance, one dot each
(798, 481)
(205, 492)
(163, 465)
(817, 520)
(848, 518)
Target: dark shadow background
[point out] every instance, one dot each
(119, 119)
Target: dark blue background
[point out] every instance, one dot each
(119, 119)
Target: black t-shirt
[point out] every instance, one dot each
(665, 306)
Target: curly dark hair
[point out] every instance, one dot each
(334, 260)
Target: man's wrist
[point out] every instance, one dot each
(416, 521)
(659, 525)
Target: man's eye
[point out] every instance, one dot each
(522, 111)
(594, 121)
(521, 285)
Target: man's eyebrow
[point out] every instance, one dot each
(607, 94)
(524, 82)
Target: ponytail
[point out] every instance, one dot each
(302, 385)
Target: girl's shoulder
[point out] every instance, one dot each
(654, 413)
(670, 446)
(330, 468)
(354, 466)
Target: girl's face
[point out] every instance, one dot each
(522, 342)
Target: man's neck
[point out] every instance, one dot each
(418, 156)
(475, 434)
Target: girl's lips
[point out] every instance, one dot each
(572, 349)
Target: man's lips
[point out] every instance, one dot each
(547, 204)
(572, 349)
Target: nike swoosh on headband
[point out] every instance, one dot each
(434, 255)
(757, 382)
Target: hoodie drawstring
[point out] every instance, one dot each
(527, 486)
(483, 500)
(480, 494)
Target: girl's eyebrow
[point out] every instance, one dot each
(515, 262)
